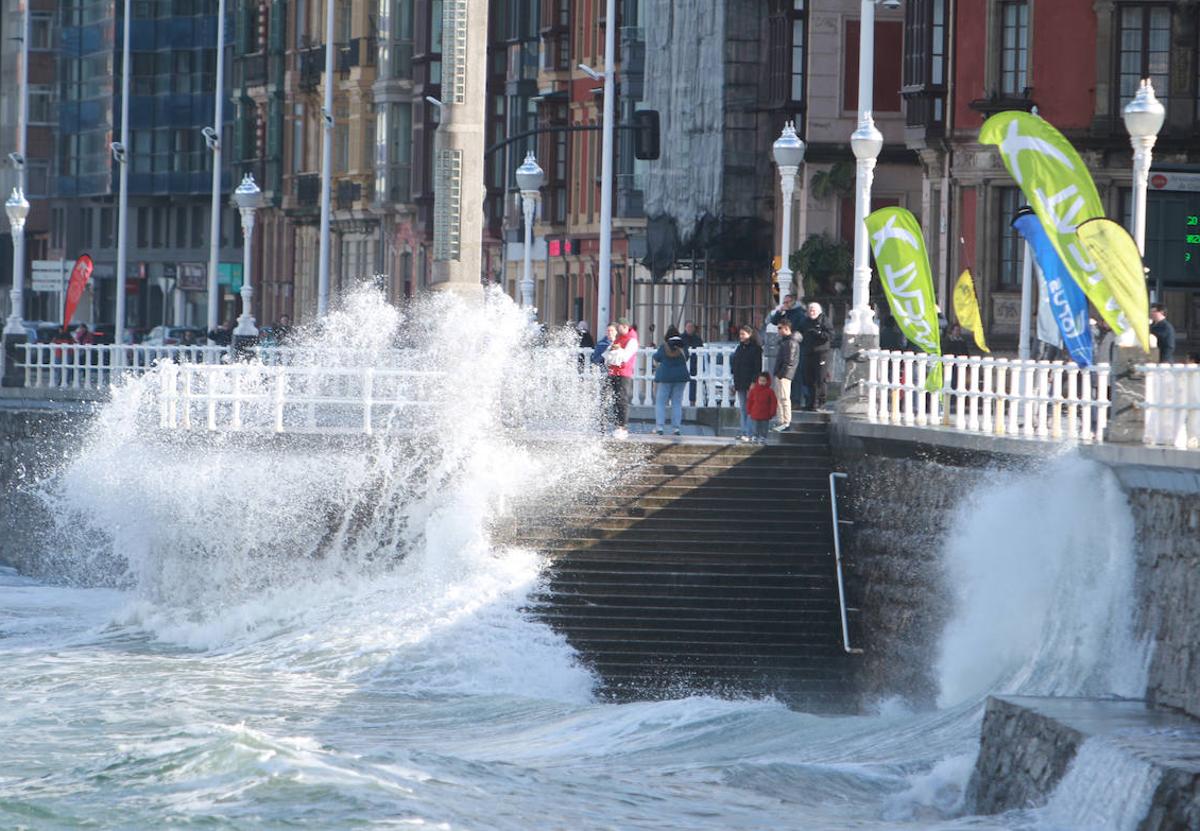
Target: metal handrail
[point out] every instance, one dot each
(837, 555)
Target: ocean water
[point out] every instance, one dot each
(225, 635)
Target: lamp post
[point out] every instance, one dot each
(529, 179)
(120, 150)
(866, 142)
(326, 168)
(212, 138)
(17, 208)
(247, 197)
(1144, 117)
(788, 151)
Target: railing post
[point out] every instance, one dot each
(280, 398)
(1055, 404)
(368, 390)
(873, 360)
(922, 396)
(988, 368)
(910, 361)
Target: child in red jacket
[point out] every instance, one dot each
(761, 405)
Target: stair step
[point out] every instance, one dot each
(628, 620)
(694, 602)
(651, 574)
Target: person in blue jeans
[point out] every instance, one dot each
(671, 378)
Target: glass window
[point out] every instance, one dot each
(41, 104)
(41, 32)
(200, 219)
(1145, 51)
(1014, 47)
(1012, 248)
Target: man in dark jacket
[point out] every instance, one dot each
(1162, 329)
(815, 349)
(787, 361)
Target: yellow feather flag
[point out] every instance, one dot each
(966, 308)
(1116, 256)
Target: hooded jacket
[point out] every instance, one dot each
(788, 358)
(672, 365)
(761, 403)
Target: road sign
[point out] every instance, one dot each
(48, 275)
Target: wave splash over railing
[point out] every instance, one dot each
(218, 539)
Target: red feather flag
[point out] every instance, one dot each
(79, 277)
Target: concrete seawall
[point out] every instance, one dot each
(905, 482)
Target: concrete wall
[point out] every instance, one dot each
(35, 438)
(904, 484)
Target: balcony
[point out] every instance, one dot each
(357, 52)
(312, 64)
(347, 193)
(254, 69)
(307, 190)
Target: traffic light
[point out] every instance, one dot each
(645, 135)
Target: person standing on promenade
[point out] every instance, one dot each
(787, 361)
(671, 379)
(1163, 331)
(761, 404)
(814, 347)
(746, 364)
(621, 360)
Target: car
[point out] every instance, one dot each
(173, 336)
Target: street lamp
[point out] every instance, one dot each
(17, 208)
(866, 142)
(788, 151)
(1144, 117)
(248, 198)
(529, 179)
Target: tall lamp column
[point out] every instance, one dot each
(866, 142)
(529, 179)
(248, 198)
(1144, 117)
(17, 208)
(788, 151)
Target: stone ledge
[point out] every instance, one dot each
(1153, 468)
(1028, 744)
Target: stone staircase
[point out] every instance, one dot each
(708, 568)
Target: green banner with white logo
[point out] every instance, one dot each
(903, 265)
(1061, 192)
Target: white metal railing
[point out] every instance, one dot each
(258, 398)
(93, 366)
(1172, 405)
(1047, 400)
(713, 376)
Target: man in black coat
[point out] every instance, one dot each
(817, 342)
(693, 341)
(1162, 329)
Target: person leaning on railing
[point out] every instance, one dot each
(671, 378)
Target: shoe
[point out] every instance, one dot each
(782, 428)
(676, 432)
(743, 438)
(658, 431)
(620, 433)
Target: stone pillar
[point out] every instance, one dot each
(458, 157)
(1126, 418)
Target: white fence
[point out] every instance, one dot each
(258, 398)
(712, 376)
(91, 366)
(1172, 405)
(1047, 400)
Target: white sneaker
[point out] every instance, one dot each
(743, 438)
(620, 433)
(782, 428)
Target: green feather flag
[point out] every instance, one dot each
(903, 264)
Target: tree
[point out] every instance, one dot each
(837, 181)
(821, 260)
